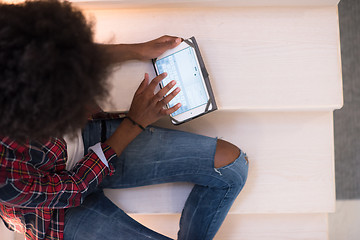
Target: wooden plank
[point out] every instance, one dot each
(97, 4)
(203, 3)
(251, 227)
(258, 58)
(291, 164)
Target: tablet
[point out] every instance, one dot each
(185, 65)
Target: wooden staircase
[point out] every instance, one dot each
(275, 69)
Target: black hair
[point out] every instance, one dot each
(51, 71)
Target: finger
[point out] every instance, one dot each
(167, 37)
(160, 95)
(143, 84)
(173, 42)
(155, 82)
(168, 42)
(178, 41)
(169, 97)
(170, 110)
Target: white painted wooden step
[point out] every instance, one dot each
(201, 3)
(251, 227)
(291, 164)
(284, 58)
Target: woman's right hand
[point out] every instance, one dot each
(148, 107)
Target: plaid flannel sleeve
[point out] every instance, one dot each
(24, 185)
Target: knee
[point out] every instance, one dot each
(236, 175)
(225, 154)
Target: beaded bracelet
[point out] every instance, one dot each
(135, 123)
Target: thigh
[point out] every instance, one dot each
(161, 155)
(98, 218)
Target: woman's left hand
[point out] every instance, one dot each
(155, 48)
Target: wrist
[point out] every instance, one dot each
(123, 135)
(125, 52)
(135, 123)
(132, 52)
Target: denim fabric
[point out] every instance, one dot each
(159, 156)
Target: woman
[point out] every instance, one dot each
(52, 175)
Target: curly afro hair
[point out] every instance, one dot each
(51, 71)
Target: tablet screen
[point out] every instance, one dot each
(183, 67)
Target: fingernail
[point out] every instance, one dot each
(177, 89)
(165, 74)
(173, 82)
(178, 40)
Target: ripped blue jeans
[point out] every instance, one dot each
(159, 156)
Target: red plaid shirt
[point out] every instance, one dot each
(35, 188)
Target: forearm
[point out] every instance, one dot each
(140, 51)
(123, 135)
(122, 52)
